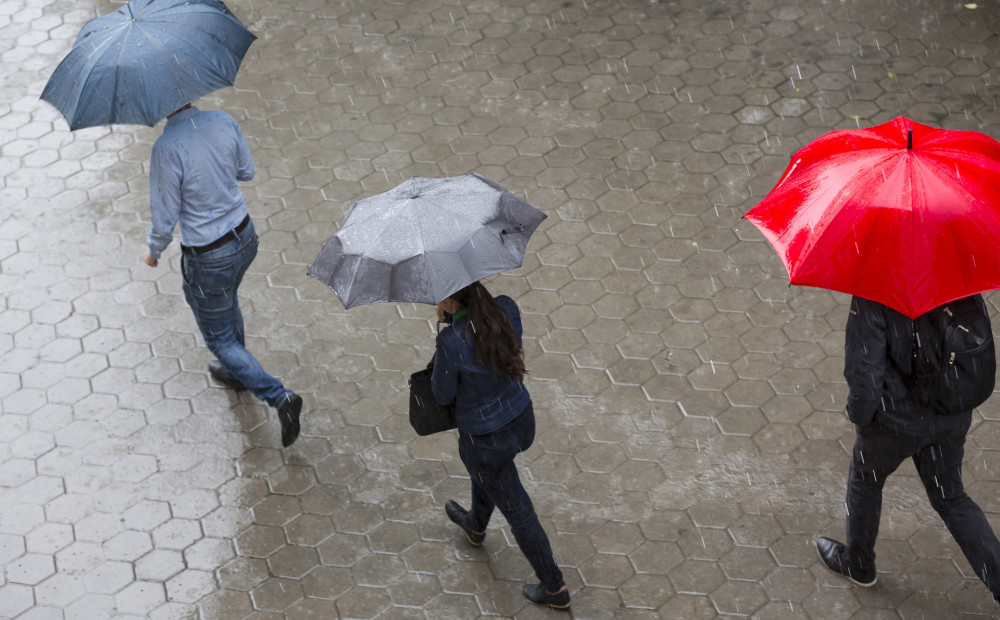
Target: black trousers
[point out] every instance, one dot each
(489, 460)
(878, 451)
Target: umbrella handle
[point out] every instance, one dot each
(909, 139)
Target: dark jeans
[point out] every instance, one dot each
(495, 484)
(211, 281)
(878, 451)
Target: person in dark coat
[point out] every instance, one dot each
(891, 426)
(479, 367)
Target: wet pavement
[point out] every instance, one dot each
(691, 436)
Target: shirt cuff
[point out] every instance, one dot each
(157, 245)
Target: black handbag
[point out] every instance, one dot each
(426, 415)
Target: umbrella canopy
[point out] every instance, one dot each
(903, 214)
(424, 240)
(139, 63)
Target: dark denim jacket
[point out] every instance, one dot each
(484, 400)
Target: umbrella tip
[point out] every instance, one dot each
(909, 139)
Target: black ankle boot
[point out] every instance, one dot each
(535, 593)
(460, 517)
(832, 554)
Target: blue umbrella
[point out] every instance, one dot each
(136, 65)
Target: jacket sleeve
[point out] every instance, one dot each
(864, 360)
(444, 378)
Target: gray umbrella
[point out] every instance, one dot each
(424, 240)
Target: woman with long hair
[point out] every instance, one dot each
(479, 367)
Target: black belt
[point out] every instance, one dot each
(218, 243)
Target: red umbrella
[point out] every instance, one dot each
(902, 213)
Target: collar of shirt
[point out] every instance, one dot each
(181, 116)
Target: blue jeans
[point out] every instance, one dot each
(489, 459)
(878, 451)
(211, 281)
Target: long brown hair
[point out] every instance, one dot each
(496, 342)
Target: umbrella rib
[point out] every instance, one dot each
(118, 64)
(432, 266)
(377, 236)
(170, 69)
(456, 217)
(861, 243)
(835, 207)
(197, 53)
(92, 61)
(168, 13)
(150, 115)
(350, 281)
(114, 20)
(448, 209)
(967, 199)
(166, 18)
(357, 216)
(945, 177)
(507, 249)
(353, 220)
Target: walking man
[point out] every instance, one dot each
(894, 420)
(193, 177)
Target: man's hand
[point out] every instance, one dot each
(149, 260)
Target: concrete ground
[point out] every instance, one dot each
(691, 436)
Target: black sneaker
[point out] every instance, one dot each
(224, 377)
(832, 554)
(459, 516)
(535, 593)
(288, 415)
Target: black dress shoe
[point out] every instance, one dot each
(459, 516)
(535, 593)
(832, 554)
(288, 415)
(223, 376)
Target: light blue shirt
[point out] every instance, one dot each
(193, 176)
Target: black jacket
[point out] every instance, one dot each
(878, 359)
